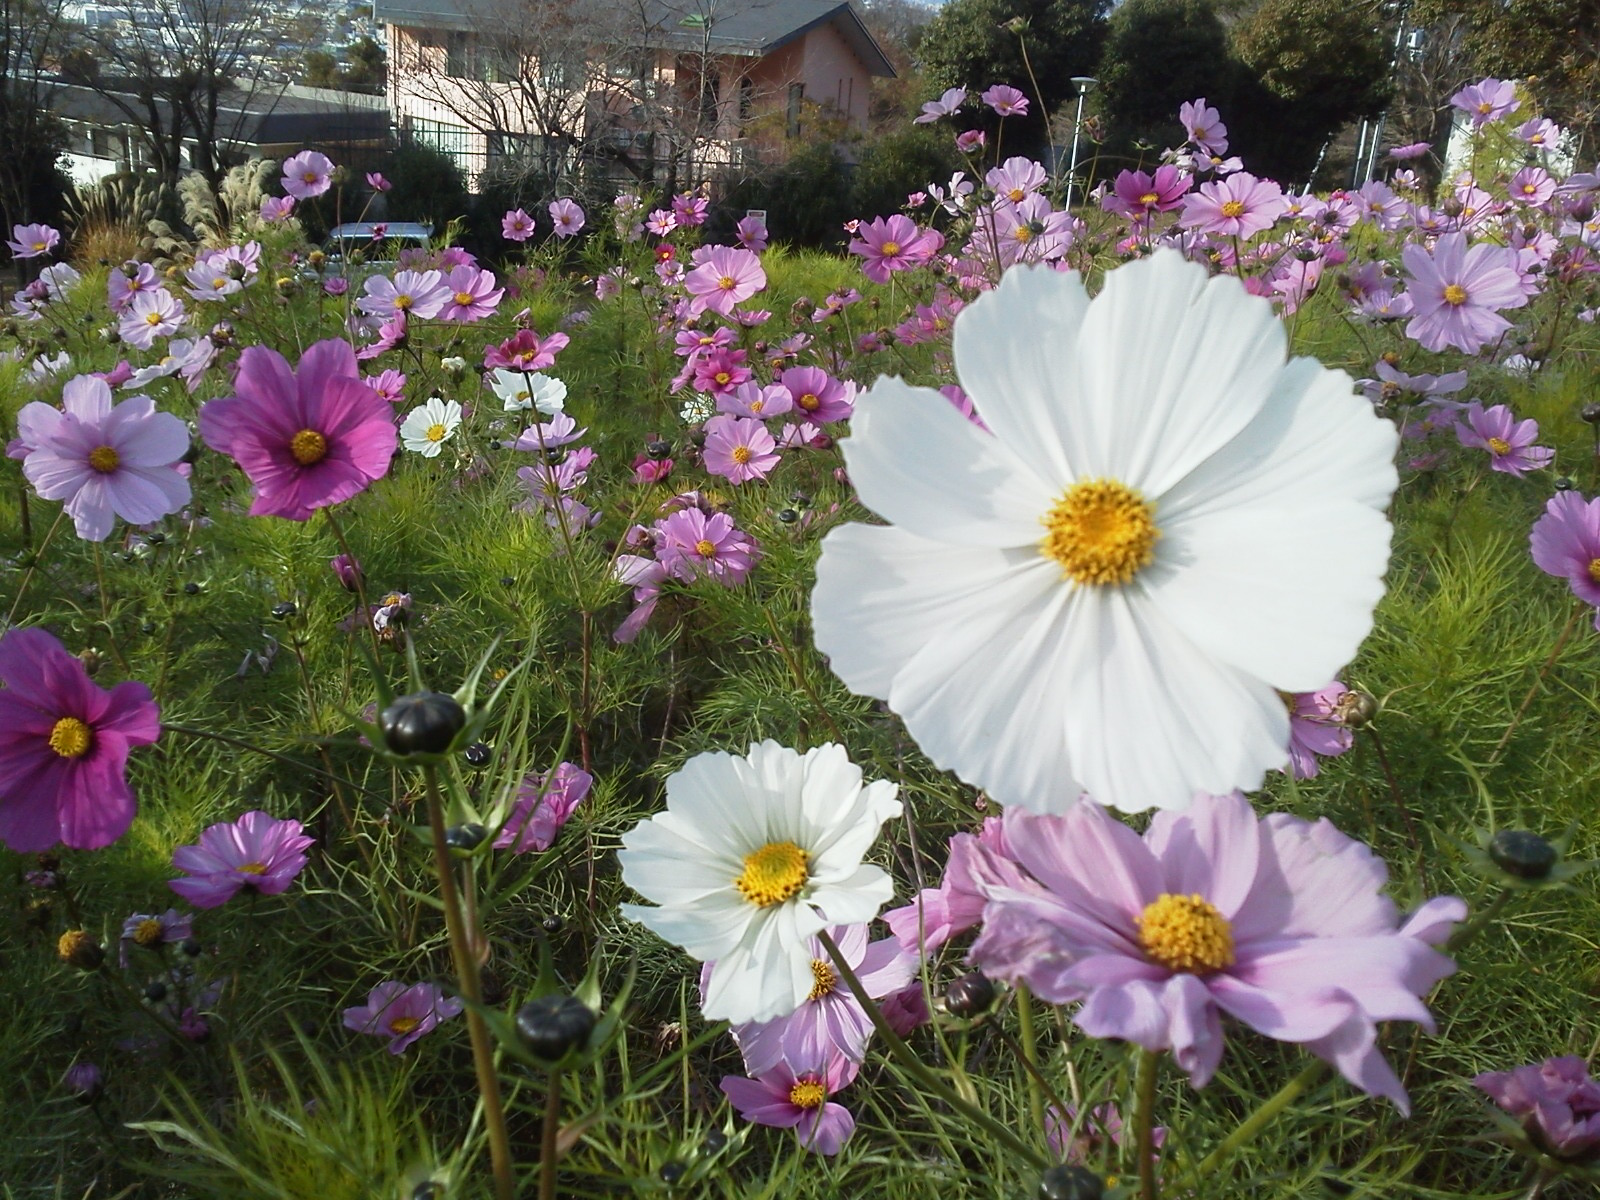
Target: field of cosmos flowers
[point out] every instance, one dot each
(1048, 704)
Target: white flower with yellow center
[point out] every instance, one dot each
(752, 857)
(429, 426)
(522, 390)
(1168, 525)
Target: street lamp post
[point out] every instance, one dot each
(1085, 84)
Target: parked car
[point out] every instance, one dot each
(362, 248)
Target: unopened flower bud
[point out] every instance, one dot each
(1590, 413)
(1564, 483)
(970, 996)
(1523, 854)
(84, 1080)
(1070, 1183)
(671, 1172)
(550, 1026)
(478, 755)
(1355, 709)
(465, 837)
(284, 610)
(422, 723)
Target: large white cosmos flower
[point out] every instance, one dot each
(752, 857)
(1169, 525)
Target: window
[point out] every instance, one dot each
(454, 140)
(457, 56)
(797, 93)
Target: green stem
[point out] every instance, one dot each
(918, 1071)
(1145, 1077)
(1470, 929)
(547, 1138)
(361, 584)
(1538, 680)
(1030, 1054)
(466, 961)
(38, 557)
(1258, 1120)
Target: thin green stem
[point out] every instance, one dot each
(800, 679)
(38, 557)
(547, 1137)
(1538, 680)
(1258, 1120)
(466, 961)
(1030, 1054)
(919, 1071)
(1145, 1077)
(361, 583)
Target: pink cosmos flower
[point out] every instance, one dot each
(947, 105)
(1508, 441)
(1540, 132)
(726, 276)
(890, 244)
(103, 461)
(1280, 923)
(689, 210)
(524, 351)
(818, 395)
(791, 1098)
(1016, 179)
(1006, 101)
(1487, 100)
(33, 241)
(307, 174)
(389, 384)
(750, 399)
(752, 233)
(275, 209)
(64, 746)
(347, 571)
(1557, 1102)
(257, 851)
(831, 1022)
(516, 226)
(1140, 195)
(645, 576)
(151, 315)
(391, 333)
(1204, 127)
(1531, 186)
(402, 1013)
(472, 295)
(377, 182)
(1239, 206)
(1455, 292)
(414, 293)
(661, 222)
(568, 217)
(691, 543)
(308, 438)
(720, 371)
(971, 141)
(1315, 730)
(127, 282)
(1413, 150)
(1565, 542)
(542, 809)
(152, 931)
(739, 449)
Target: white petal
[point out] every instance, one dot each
(917, 462)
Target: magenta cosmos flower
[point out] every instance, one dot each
(691, 543)
(726, 276)
(524, 351)
(790, 1098)
(1006, 100)
(411, 293)
(541, 809)
(1487, 100)
(818, 395)
(1239, 206)
(739, 448)
(1556, 1101)
(890, 244)
(1508, 440)
(1565, 542)
(1456, 292)
(568, 217)
(307, 438)
(104, 461)
(472, 295)
(33, 241)
(1279, 923)
(402, 1013)
(64, 746)
(257, 851)
(1139, 194)
(307, 174)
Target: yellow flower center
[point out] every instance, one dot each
(436, 432)
(1148, 199)
(147, 933)
(807, 1093)
(463, 298)
(403, 301)
(889, 249)
(401, 1026)
(219, 283)
(810, 402)
(740, 455)
(1528, 189)
(705, 548)
(1594, 569)
(1233, 208)
(152, 319)
(772, 874)
(1016, 195)
(308, 447)
(252, 868)
(1100, 531)
(104, 459)
(1022, 233)
(41, 246)
(1455, 294)
(71, 738)
(726, 283)
(1485, 107)
(824, 979)
(1499, 445)
(723, 377)
(757, 405)
(1184, 933)
(310, 177)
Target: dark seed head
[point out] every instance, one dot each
(1563, 483)
(658, 449)
(970, 996)
(671, 1172)
(285, 610)
(553, 923)
(422, 723)
(191, 588)
(715, 1140)
(788, 516)
(1070, 1183)
(191, 947)
(1523, 854)
(1590, 413)
(465, 837)
(155, 991)
(478, 754)
(552, 1025)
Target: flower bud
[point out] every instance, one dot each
(84, 1080)
(285, 610)
(1564, 483)
(1070, 1183)
(550, 1026)
(658, 449)
(466, 837)
(478, 755)
(671, 1172)
(77, 948)
(1355, 709)
(970, 996)
(422, 723)
(1522, 854)
(1590, 413)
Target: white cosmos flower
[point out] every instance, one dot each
(1169, 525)
(429, 426)
(752, 857)
(533, 390)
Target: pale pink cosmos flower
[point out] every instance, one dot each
(726, 276)
(1316, 730)
(1410, 151)
(689, 210)
(307, 174)
(568, 217)
(1487, 100)
(1531, 186)
(1456, 292)
(1565, 542)
(751, 399)
(739, 449)
(103, 461)
(472, 295)
(402, 1013)
(1204, 127)
(790, 1097)
(1540, 132)
(691, 544)
(1006, 100)
(542, 808)
(971, 141)
(33, 241)
(377, 182)
(257, 851)
(1239, 206)
(661, 222)
(1510, 442)
(890, 244)
(818, 395)
(1557, 1103)
(752, 233)
(1016, 179)
(516, 226)
(275, 209)
(127, 281)
(414, 293)
(151, 315)
(947, 105)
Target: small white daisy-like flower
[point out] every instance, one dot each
(429, 426)
(520, 391)
(1168, 525)
(752, 857)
